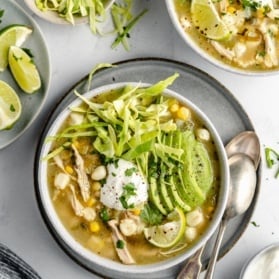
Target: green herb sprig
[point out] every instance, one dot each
(272, 158)
(129, 190)
(1, 14)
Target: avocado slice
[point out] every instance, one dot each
(163, 186)
(155, 197)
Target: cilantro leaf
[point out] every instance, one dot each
(130, 171)
(104, 215)
(272, 157)
(129, 190)
(120, 244)
(1, 14)
(151, 215)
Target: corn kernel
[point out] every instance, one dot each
(69, 170)
(136, 211)
(231, 9)
(96, 186)
(260, 12)
(172, 102)
(91, 202)
(94, 226)
(183, 113)
(76, 144)
(174, 108)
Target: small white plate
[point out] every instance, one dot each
(31, 103)
(265, 264)
(54, 17)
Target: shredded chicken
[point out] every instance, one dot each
(82, 179)
(123, 252)
(226, 52)
(269, 30)
(88, 213)
(59, 163)
(223, 5)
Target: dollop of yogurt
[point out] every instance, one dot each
(125, 185)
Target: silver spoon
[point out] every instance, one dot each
(242, 188)
(248, 143)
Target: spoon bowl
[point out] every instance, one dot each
(247, 143)
(242, 175)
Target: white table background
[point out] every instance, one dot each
(74, 51)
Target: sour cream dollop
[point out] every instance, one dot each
(125, 186)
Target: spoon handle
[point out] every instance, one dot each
(193, 267)
(213, 258)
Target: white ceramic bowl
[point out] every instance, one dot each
(90, 260)
(265, 264)
(53, 16)
(195, 46)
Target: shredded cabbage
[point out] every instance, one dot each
(136, 125)
(96, 12)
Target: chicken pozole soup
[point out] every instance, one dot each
(134, 174)
(243, 34)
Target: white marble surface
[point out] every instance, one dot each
(73, 53)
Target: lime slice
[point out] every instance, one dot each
(24, 70)
(11, 35)
(10, 106)
(168, 234)
(207, 20)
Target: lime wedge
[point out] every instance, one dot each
(168, 234)
(24, 70)
(11, 35)
(207, 20)
(10, 106)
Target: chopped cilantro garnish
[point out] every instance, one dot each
(12, 108)
(129, 190)
(104, 215)
(255, 224)
(120, 244)
(272, 158)
(129, 172)
(151, 215)
(251, 4)
(1, 15)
